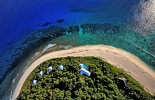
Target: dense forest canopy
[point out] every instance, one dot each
(105, 82)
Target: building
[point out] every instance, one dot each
(61, 67)
(50, 69)
(84, 66)
(83, 71)
(34, 82)
(41, 73)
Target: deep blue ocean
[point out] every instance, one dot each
(27, 26)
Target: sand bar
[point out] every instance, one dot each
(122, 59)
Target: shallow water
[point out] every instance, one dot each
(28, 27)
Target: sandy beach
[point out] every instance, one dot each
(122, 59)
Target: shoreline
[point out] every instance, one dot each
(115, 56)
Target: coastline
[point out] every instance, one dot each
(120, 58)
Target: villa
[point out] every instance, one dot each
(41, 73)
(84, 66)
(50, 69)
(34, 82)
(61, 67)
(83, 71)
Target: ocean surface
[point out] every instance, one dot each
(30, 27)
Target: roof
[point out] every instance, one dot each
(41, 73)
(34, 82)
(84, 71)
(84, 66)
(61, 67)
(50, 69)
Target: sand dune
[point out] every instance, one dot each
(122, 59)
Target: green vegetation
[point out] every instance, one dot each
(69, 84)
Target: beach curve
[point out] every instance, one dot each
(120, 58)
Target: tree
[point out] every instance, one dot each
(69, 84)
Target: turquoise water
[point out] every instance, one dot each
(87, 34)
(29, 26)
(115, 35)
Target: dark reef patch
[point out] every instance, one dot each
(73, 29)
(93, 28)
(46, 24)
(60, 20)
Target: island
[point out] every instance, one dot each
(106, 81)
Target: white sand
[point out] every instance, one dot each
(122, 59)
